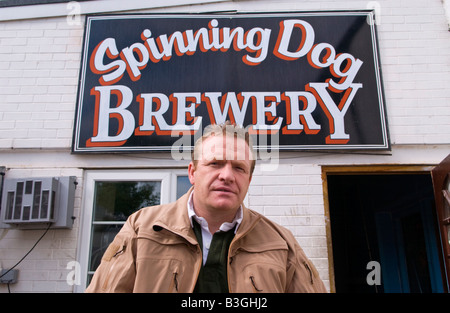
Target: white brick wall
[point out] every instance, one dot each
(292, 196)
(415, 54)
(39, 66)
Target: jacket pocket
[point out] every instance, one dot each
(264, 277)
(259, 268)
(165, 263)
(158, 275)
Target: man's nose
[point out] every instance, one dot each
(226, 172)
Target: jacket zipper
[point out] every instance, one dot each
(118, 252)
(310, 272)
(252, 279)
(231, 257)
(198, 270)
(174, 283)
(113, 260)
(179, 234)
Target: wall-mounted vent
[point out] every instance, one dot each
(31, 201)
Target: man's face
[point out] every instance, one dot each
(222, 174)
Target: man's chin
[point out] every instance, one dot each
(226, 205)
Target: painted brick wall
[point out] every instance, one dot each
(39, 66)
(292, 196)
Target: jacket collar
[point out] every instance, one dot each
(201, 221)
(175, 218)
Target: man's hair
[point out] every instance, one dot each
(225, 129)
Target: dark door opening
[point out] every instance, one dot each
(389, 219)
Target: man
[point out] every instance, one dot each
(207, 241)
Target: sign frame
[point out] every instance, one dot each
(270, 137)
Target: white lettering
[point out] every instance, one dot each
(317, 51)
(112, 72)
(261, 47)
(186, 113)
(133, 59)
(113, 102)
(284, 38)
(74, 276)
(335, 113)
(151, 120)
(294, 115)
(348, 74)
(74, 16)
(233, 105)
(200, 303)
(104, 113)
(261, 111)
(134, 66)
(374, 276)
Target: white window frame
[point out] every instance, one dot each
(168, 184)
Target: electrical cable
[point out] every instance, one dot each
(27, 252)
(2, 173)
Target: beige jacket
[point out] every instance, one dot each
(157, 251)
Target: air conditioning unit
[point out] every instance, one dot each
(35, 202)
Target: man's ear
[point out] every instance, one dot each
(191, 171)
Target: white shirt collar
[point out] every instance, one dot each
(204, 224)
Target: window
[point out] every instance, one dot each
(110, 197)
(183, 185)
(114, 201)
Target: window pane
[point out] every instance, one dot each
(183, 185)
(102, 236)
(115, 201)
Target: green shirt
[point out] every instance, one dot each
(213, 274)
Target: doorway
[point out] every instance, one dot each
(388, 220)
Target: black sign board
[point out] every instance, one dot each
(298, 81)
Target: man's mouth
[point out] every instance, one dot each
(223, 189)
